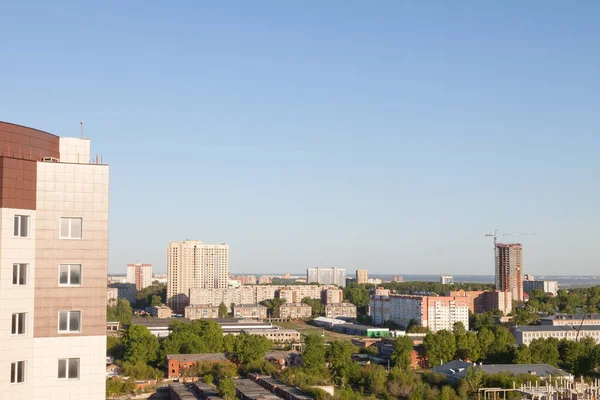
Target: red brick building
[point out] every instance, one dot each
(176, 363)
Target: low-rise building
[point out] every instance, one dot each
(332, 296)
(159, 311)
(254, 311)
(335, 310)
(327, 322)
(525, 334)
(201, 311)
(177, 363)
(112, 294)
(571, 319)
(295, 310)
(362, 330)
(276, 334)
(457, 369)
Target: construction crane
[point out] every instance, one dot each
(496, 234)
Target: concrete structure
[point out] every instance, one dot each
(375, 281)
(53, 266)
(361, 330)
(525, 334)
(160, 278)
(254, 294)
(191, 264)
(481, 301)
(334, 310)
(253, 311)
(117, 279)
(446, 280)
(327, 322)
(140, 275)
(265, 280)
(295, 310)
(125, 291)
(112, 294)
(456, 370)
(529, 286)
(362, 276)
(326, 276)
(397, 278)
(244, 279)
(160, 311)
(434, 312)
(509, 262)
(175, 364)
(332, 295)
(201, 311)
(575, 320)
(276, 334)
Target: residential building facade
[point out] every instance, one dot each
(397, 278)
(278, 335)
(253, 311)
(334, 310)
(295, 310)
(140, 275)
(525, 334)
(192, 264)
(545, 286)
(53, 264)
(125, 291)
(481, 301)
(160, 311)
(509, 269)
(201, 311)
(326, 276)
(571, 319)
(446, 280)
(332, 295)
(434, 312)
(362, 276)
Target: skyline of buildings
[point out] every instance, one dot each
(54, 263)
(192, 264)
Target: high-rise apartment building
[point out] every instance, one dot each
(509, 276)
(362, 276)
(446, 279)
(529, 286)
(326, 276)
(53, 266)
(140, 274)
(191, 264)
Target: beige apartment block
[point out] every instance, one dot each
(340, 310)
(53, 266)
(362, 276)
(253, 311)
(192, 264)
(332, 295)
(295, 311)
(201, 311)
(140, 275)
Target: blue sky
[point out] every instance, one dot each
(381, 135)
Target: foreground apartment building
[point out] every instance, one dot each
(434, 312)
(53, 266)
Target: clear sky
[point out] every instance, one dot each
(381, 135)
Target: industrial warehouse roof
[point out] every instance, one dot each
(457, 369)
(329, 320)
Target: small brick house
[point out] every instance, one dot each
(176, 363)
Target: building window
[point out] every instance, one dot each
(18, 323)
(69, 321)
(19, 274)
(69, 274)
(17, 372)
(21, 227)
(68, 368)
(70, 228)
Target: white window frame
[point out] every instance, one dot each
(68, 331)
(67, 362)
(68, 237)
(19, 217)
(14, 320)
(17, 266)
(69, 275)
(16, 364)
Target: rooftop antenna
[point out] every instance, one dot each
(81, 124)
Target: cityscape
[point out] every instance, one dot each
(285, 201)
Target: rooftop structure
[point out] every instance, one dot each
(455, 370)
(525, 334)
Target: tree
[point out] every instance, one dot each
(522, 355)
(339, 357)
(314, 352)
(459, 328)
(249, 348)
(223, 310)
(156, 301)
(199, 336)
(401, 355)
(500, 349)
(228, 343)
(447, 393)
(473, 379)
(544, 351)
(480, 321)
(139, 344)
(226, 388)
(273, 306)
(121, 312)
(374, 378)
(485, 337)
(439, 347)
(318, 309)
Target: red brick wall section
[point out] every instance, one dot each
(18, 182)
(21, 141)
